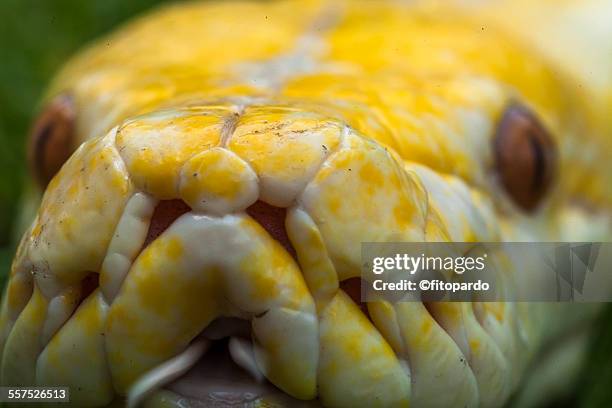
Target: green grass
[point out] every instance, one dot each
(595, 386)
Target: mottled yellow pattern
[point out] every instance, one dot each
(215, 180)
(155, 149)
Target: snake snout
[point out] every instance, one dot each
(205, 213)
(181, 216)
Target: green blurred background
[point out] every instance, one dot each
(36, 38)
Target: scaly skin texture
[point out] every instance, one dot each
(368, 121)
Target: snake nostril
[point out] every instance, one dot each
(272, 219)
(165, 213)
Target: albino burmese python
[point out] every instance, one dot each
(224, 161)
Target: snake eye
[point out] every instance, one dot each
(525, 156)
(51, 139)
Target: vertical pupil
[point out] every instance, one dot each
(539, 162)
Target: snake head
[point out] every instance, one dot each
(199, 237)
(214, 250)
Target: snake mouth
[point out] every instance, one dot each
(217, 369)
(227, 369)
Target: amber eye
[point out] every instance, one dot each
(51, 139)
(525, 156)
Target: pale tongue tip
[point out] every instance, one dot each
(166, 372)
(241, 351)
